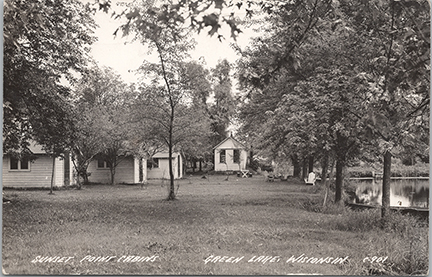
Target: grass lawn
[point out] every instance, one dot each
(236, 218)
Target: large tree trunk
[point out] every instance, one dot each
(331, 174)
(248, 163)
(324, 165)
(305, 168)
(78, 171)
(79, 183)
(385, 208)
(340, 163)
(193, 162)
(84, 174)
(140, 170)
(311, 163)
(296, 166)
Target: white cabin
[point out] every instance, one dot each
(229, 155)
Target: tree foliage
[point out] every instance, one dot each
(43, 42)
(396, 75)
(355, 79)
(223, 108)
(165, 104)
(102, 125)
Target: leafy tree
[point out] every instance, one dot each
(179, 133)
(195, 15)
(223, 109)
(270, 68)
(54, 129)
(102, 125)
(165, 101)
(87, 142)
(396, 74)
(118, 131)
(333, 103)
(196, 80)
(43, 41)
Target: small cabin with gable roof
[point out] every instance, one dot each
(229, 155)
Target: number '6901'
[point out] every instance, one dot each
(375, 259)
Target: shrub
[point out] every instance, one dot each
(406, 247)
(402, 224)
(398, 170)
(335, 208)
(417, 170)
(357, 221)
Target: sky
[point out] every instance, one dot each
(124, 56)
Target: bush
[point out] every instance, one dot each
(398, 170)
(335, 208)
(407, 247)
(311, 204)
(358, 221)
(412, 257)
(402, 224)
(417, 170)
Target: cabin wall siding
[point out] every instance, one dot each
(59, 172)
(39, 174)
(162, 172)
(98, 175)
(124, 172)
(229, 158)
(144, 169)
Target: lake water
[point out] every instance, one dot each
(403, 193)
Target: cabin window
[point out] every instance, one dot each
(153, 163)
(222, 156)
(101, 163)
(25, 164)
(236, 156)
(16, 164)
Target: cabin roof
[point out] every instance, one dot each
(36, 148)
(164, 155)
(236, 143)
